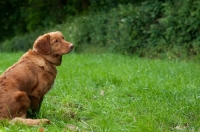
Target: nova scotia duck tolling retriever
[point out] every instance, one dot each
(24, 84)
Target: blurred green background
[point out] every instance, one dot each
(146, 28)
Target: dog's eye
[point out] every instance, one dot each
(56, 41)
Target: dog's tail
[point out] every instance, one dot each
(29, 122)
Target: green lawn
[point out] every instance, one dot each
(116, 93)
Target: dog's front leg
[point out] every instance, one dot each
(29, 122)
(35, 103)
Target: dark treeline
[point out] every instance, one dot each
(21, 16)
(153, 28)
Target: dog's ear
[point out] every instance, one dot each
(42, 44)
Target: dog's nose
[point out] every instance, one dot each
(71, 46)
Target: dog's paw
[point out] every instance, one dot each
(44, 121)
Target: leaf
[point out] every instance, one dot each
(102, 93)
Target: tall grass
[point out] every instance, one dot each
(110, 92)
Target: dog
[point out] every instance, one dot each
(24, 84)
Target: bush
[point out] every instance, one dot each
(20, 43)
(122, 29)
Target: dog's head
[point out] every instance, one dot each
(52, 46)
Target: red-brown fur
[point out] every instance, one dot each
(23, 85)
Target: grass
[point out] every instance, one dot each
(113, 93)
